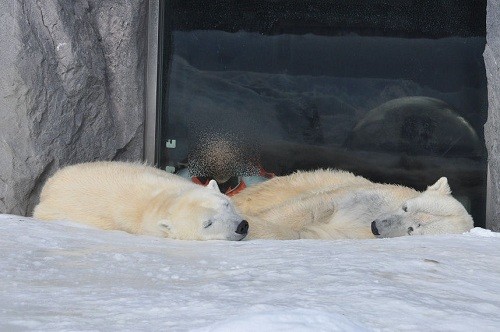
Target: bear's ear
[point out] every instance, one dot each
(213, 185)
(164, 224)
(441, 186)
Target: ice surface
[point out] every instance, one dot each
(58, 277)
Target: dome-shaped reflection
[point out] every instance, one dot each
(416, 126)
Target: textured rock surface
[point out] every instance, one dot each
(492, 127)
(72, 89)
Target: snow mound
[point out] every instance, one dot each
(300, 320)
(478, 231)
(63, 277)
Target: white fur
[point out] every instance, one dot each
(330, 204)
(138, 199)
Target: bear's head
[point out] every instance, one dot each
(434, 211)
(202, 214)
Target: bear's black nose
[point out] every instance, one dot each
(242, 227)
(374, 228)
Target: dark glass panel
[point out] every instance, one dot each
(393, 90)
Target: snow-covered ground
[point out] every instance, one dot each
(61, 277)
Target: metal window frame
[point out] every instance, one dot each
(152, 79)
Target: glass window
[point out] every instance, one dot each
(393, 90)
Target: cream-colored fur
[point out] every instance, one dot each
(330, 204)
(138, 199)
(270, 193)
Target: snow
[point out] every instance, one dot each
(65, 277)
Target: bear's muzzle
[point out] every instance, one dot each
(242, 228)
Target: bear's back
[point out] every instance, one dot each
(283, 188)
(102, 193)
(110, 178)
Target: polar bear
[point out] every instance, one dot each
(331, 204)
(141, 200)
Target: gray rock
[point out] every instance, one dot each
(72, 89)
(492, 127)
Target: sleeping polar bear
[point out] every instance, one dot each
(141, 200)
(331, 204)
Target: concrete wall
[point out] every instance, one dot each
(71, 90)
(492, 126)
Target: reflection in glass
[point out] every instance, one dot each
(391, 90)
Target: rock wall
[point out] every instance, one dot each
(492, 127)
(72, 89)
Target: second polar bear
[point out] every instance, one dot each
(330, 204)
(141, 200)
